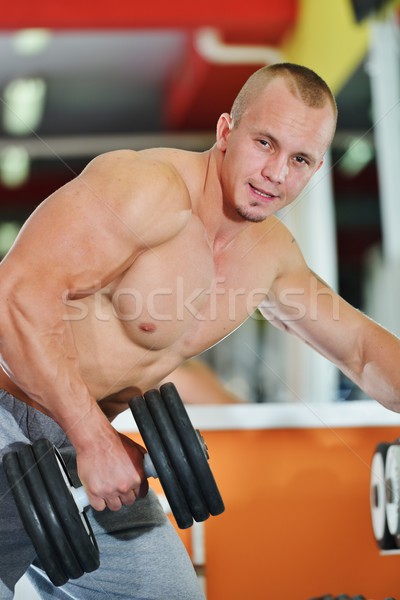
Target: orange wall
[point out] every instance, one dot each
(297, 521)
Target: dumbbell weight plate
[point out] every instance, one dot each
(31, 521)
(194, 449)
(161, 461)
(176, 453)
(382, 535)
(75, 524)
(48, 516)
(392, 477)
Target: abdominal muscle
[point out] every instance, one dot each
(121, 359)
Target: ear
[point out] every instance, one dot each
(224, 127)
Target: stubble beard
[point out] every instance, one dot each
(248, 215)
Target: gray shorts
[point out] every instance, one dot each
(141, 555)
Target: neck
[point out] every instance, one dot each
(222, 225)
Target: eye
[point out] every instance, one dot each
(301, 160)
(265, 143)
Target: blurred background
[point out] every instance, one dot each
(80, 79)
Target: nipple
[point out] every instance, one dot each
(147, 327)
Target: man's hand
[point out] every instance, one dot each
(113, 476)
(136, 453)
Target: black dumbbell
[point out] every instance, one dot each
(53, 511)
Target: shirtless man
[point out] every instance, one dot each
(145, 260)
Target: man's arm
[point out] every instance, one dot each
(76, 242)
(303, 304)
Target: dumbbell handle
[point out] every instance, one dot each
(80, 496)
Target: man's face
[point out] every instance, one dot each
(272, 153)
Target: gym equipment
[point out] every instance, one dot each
(379, 491)
(53, 511)
(341, 597)
(392, 479)
(345, 597)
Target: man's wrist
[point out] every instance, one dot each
(87, 427)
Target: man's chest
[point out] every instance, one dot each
(186, 295)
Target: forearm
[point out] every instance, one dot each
(379, 373)
(363, 350)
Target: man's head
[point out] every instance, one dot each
(301, 81)
(273, 141)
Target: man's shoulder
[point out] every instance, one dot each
(132, 163)
(140, 187)
(272, 248)
(131, 173)
(272, 231)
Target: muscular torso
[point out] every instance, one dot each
(174, 301)
(171, 304)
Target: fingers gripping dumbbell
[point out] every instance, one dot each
(53, 511)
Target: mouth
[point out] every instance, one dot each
(262, 194)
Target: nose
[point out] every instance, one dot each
(275, 169)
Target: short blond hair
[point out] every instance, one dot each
(302, 82)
